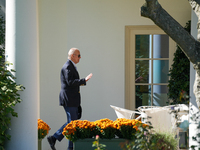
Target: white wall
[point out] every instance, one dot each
(97, 28)
(52, 41)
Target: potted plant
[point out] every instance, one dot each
(111, 133)
(43, 130)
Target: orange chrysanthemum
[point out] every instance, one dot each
(43, 129)
(105, 128)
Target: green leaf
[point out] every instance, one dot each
(9, 95)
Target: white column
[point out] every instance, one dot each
(22, 50)
(193, 105)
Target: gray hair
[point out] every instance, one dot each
(71, 52)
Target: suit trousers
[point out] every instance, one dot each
(72, 114)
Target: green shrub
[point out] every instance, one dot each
(163, 140)
(9, 95)
(179, 75)
(152, 140)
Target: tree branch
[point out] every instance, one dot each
(191, 47)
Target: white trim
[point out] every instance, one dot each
(130, 32)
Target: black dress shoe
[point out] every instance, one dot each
(70, 149)
(52, 142)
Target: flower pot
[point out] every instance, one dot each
(111, 144)
(39, 144)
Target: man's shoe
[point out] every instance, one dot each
(70, 149)
(52, 142)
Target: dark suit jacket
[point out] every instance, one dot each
(70, 86)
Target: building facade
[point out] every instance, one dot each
(39, 34)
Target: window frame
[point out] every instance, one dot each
(130, 32)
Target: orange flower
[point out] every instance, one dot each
(124, 128)
(43, 129)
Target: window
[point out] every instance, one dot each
(147, 59)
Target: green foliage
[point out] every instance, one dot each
(179, 75)
(42, 133)
(2, 40)
(196, 138)
(163, 140)
(9, 95)
(98, 145)
(128, 132)
(141, 141)
(151, 140)
(107, 133)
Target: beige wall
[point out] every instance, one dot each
(97, 28)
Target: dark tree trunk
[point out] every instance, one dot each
(191, 47)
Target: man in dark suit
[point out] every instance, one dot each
(69, 96)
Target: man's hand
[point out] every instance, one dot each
(88, 77)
